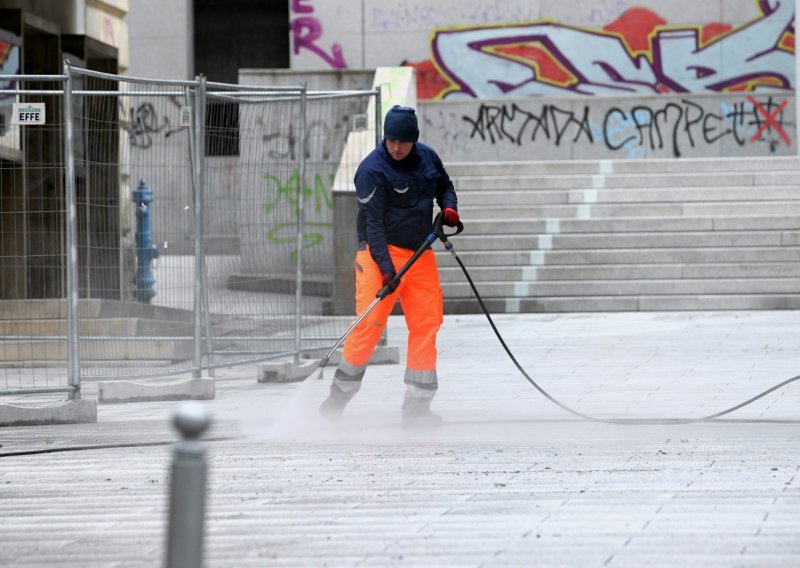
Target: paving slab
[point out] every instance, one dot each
(510, 480)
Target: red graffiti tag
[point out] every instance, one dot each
(306, 30)
(770, 120)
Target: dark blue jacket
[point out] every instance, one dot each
(395, 200)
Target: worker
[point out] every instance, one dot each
(396, 186)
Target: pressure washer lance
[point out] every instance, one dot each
(437, 232)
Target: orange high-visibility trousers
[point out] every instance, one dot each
(421, 299)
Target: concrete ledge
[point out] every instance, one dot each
(129, 391)
(66, 412)
(287, 371)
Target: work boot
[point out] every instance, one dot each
(420, 418)
(333, 406)
(343, 388)
(416, 410)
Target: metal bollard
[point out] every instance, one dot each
(146, 251)
(188, 489)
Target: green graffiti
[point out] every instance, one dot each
(317, 193)
(286, 233)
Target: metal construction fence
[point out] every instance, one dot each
(154, 227)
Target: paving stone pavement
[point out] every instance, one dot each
(510, 480)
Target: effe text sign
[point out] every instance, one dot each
(28, 113)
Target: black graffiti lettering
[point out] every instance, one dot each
(542, 122)
(321, 142)
(736, 118)
(478, 126)
(707, 130)
(645, 124)
(144, 123)
(664, 114)
(498, 123)
(640, 127)
(491, 122)
(690, 122)
(582, 125)
(509, 117)
(607, 130)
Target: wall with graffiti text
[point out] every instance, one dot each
(481, 49)
(656, 126)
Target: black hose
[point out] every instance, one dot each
(581, 415)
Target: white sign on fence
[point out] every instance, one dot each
(186, 116)
(28, 113)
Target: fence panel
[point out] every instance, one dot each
(135, 200)
(246, 178)
(253, 219)
(33, 254)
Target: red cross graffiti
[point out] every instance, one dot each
(771, 120)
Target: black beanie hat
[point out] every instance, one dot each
(401, 124)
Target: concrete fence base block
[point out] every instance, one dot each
(66, 412)
(285, 371)
(194, 388)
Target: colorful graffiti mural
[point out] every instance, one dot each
(638, 53)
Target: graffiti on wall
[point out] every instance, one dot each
(307, 31)
(144, 123)
(638, 53)
(283, 194)
(637, 129)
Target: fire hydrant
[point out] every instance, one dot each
(146, 251)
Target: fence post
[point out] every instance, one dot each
(199, 205)
(73, 351)
(187, 493)
(378, 117)
(301, 186)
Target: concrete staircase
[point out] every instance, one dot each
(586, 236)
(33, 332)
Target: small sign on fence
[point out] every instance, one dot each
(186, 116)
(28, 113)
(360, 122)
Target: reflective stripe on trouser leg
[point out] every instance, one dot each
(347, 377)
(361, 342)
(421, 298)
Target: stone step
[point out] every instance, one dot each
(602, 181)
(676, 286)
(686, 194)
(519, 225)
(118, 327)
(533, 196)
(643, 240)
(132, 349)
(677, 209)
(57, 309)
(624, 303)
(627, 235)
(622, 272)
(624, 166)
(502, 257)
